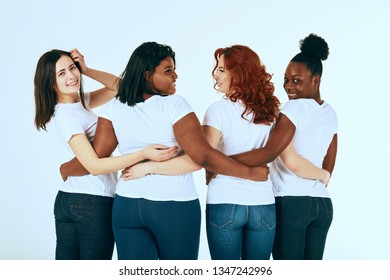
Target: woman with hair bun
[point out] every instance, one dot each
(240, 214)
(303, 206)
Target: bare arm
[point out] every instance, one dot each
(176, 166)
(279, 139)
(191, 138)
(302, 167)
(330, 157)
(105, 142)
(110, 81)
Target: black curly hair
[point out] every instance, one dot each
(313, 50)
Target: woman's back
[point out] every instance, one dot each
(146, 123)
(238, 135)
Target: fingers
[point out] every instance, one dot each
(161, 147)
(167, 153)
(76, 55)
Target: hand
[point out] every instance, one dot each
(134, 172)
(325, 180)
(260, 173)
(79, 58)
(210, 176)
(159, 152)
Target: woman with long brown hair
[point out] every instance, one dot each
(83, 204)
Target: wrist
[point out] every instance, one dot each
(326, 177)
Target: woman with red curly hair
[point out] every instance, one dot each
(240, 213)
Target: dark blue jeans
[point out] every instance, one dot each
(83, 227)
(301, 228)
(240, 232)
(151, 230)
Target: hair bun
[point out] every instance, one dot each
(315, 46)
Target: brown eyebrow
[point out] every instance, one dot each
(59, 71)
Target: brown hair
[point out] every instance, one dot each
(44, 87)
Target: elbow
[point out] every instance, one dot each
(201, 160)
(291, 165)
(197, 167)
(94, 170)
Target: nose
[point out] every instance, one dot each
(70, 75)
(287, 86)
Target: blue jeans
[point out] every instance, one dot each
(151, 230)
(240, 232)
(83, 227)
(302, 226)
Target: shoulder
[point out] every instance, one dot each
(300, 105)
(221, 104)
(172, 98)
(328, 107)
(172, 101)
(64, 111)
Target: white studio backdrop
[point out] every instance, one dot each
(355, 83)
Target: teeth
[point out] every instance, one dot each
(72, 84)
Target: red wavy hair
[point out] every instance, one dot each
(250, 83)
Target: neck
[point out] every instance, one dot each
(68, 98)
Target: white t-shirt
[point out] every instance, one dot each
(237, 136)
(315, 127)
(71, 119)
(146, 123)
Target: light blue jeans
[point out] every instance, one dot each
(240, 232)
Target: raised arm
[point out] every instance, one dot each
(191, 138)
(110, 81)
(302, 167)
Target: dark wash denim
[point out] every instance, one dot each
(240, 232)
(302, 226)
(151, 230)
(83, 227)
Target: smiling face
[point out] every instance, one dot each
(67, 80)
(299, 82)
(222, 76)
(163, 79)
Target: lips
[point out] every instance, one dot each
(73, 83)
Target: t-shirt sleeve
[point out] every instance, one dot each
(336, 123)
(294, 111)
(213, 117)
(105, 111)
(178, 108)
(68, 125)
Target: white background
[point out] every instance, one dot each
(355, 83)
